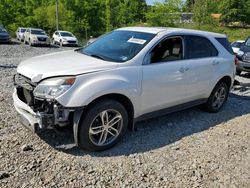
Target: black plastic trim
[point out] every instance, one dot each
(170, 110)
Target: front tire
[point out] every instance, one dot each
(103, 126)
(61, 43)
(217, 98)
(30, 43)
(238, 72)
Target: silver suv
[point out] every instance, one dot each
(34, 36)
(125, 76)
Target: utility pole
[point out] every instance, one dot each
(57, 19)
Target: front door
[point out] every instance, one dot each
(164, 76)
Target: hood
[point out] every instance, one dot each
(61, 64)
(69, 38)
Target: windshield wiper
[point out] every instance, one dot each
(97, 56)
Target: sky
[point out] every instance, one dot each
(150, 2)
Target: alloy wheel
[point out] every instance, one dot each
(219, 98)
(105, 127)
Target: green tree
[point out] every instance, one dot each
(165, 14)
(235, 11)
(202, 12)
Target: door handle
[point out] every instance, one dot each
(216, 62)
(183, 69)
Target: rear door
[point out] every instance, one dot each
(202, 59)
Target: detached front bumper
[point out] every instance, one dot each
(27, 116)
(243, 66)
(50, 115)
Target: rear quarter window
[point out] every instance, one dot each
(224, 42)
(199, 47)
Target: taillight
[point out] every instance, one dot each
(236, 60)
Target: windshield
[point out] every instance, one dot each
(37, 32)
(66, 34)
(237, 44)
(23, 30)
(2, 30)
(118, 46)
(248, 42)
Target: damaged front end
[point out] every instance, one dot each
(37, 111)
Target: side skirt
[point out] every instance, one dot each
(170, 110)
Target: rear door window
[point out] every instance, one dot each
(224, 42)
(199, 47)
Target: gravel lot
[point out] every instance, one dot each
(191, 148)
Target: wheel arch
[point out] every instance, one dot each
(227, 80)
(124, 100)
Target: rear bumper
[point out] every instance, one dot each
(243, 66)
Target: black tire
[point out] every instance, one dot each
(86, 139)
(61, 43)
(53, 42)
(238, 72)
(30, 43)
(210, 105)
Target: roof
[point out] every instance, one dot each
(35, 29)
(217, 16)
(153, 30)
(63, 31)
(241, 41)
(166, 30)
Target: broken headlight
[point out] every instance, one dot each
(54, 87)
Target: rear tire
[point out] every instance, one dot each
(217, 98)
(102, 126)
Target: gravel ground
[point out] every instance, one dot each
(190, 148)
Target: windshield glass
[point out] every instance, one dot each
(23, 30)
(66, 34)
(118, 46)
(237, 44)
(37, 32)
(2, 30)
(248, 42)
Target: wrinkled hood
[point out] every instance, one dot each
(69, 38)
(61, 64)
